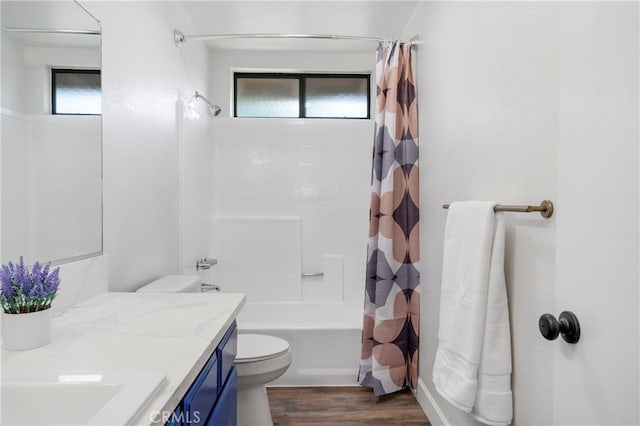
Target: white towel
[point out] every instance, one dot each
(472, 368)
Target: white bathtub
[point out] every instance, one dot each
(324, 338)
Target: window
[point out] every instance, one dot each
(301, 95)
(75, 92)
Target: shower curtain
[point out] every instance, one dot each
(389, 358)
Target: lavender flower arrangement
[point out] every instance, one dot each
(23, 290)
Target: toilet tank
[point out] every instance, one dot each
(173, 284)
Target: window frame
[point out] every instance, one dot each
(55, 71)
(302, 95)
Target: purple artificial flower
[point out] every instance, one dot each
(52, 281)
(23, 290)
(5, 281)
(23, 277)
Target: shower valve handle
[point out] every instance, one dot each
(206, 263)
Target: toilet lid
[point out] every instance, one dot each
(258, 347)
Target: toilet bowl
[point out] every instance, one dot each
(260, 358)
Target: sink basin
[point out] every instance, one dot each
(76, 398)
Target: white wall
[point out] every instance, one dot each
(315, 170)
(488, 85)
(143, 73)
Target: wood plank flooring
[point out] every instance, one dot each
(352, 405)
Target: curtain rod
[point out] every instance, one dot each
(179, 38)
(48, 31)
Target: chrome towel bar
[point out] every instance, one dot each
(312, 274)
(545, 208)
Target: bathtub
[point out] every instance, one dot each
(324, 339)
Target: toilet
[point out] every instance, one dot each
(260, 358)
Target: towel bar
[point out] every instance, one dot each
(545, 208)
(312, 274)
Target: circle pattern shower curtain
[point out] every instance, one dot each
(389, 359)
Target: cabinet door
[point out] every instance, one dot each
(227, 351)
(226, 411)
(202, 396)
(176, 418)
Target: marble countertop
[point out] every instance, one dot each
(172, 333)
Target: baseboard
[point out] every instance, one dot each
(430, 406)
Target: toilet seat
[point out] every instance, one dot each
(259, 347)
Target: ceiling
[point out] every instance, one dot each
(385, 19)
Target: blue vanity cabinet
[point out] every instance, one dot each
(212, 399)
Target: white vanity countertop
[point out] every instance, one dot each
(172, 333)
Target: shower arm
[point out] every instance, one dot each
(214, 109)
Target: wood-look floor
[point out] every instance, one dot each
(343, 406)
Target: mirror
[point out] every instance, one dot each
(51, 142)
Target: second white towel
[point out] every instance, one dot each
(472, 368)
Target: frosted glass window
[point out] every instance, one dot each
(75, 92)
(301, 95)
(337, 97)
(267, 97)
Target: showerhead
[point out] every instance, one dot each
(214, 110)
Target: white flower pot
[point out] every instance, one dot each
(26, 331)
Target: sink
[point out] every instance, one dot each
(76, 398)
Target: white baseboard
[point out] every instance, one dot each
(430, 406)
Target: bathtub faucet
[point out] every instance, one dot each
(205, 288)
(206, 263)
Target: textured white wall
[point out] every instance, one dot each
(318, 170)
(488, 85)
(143, 73)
